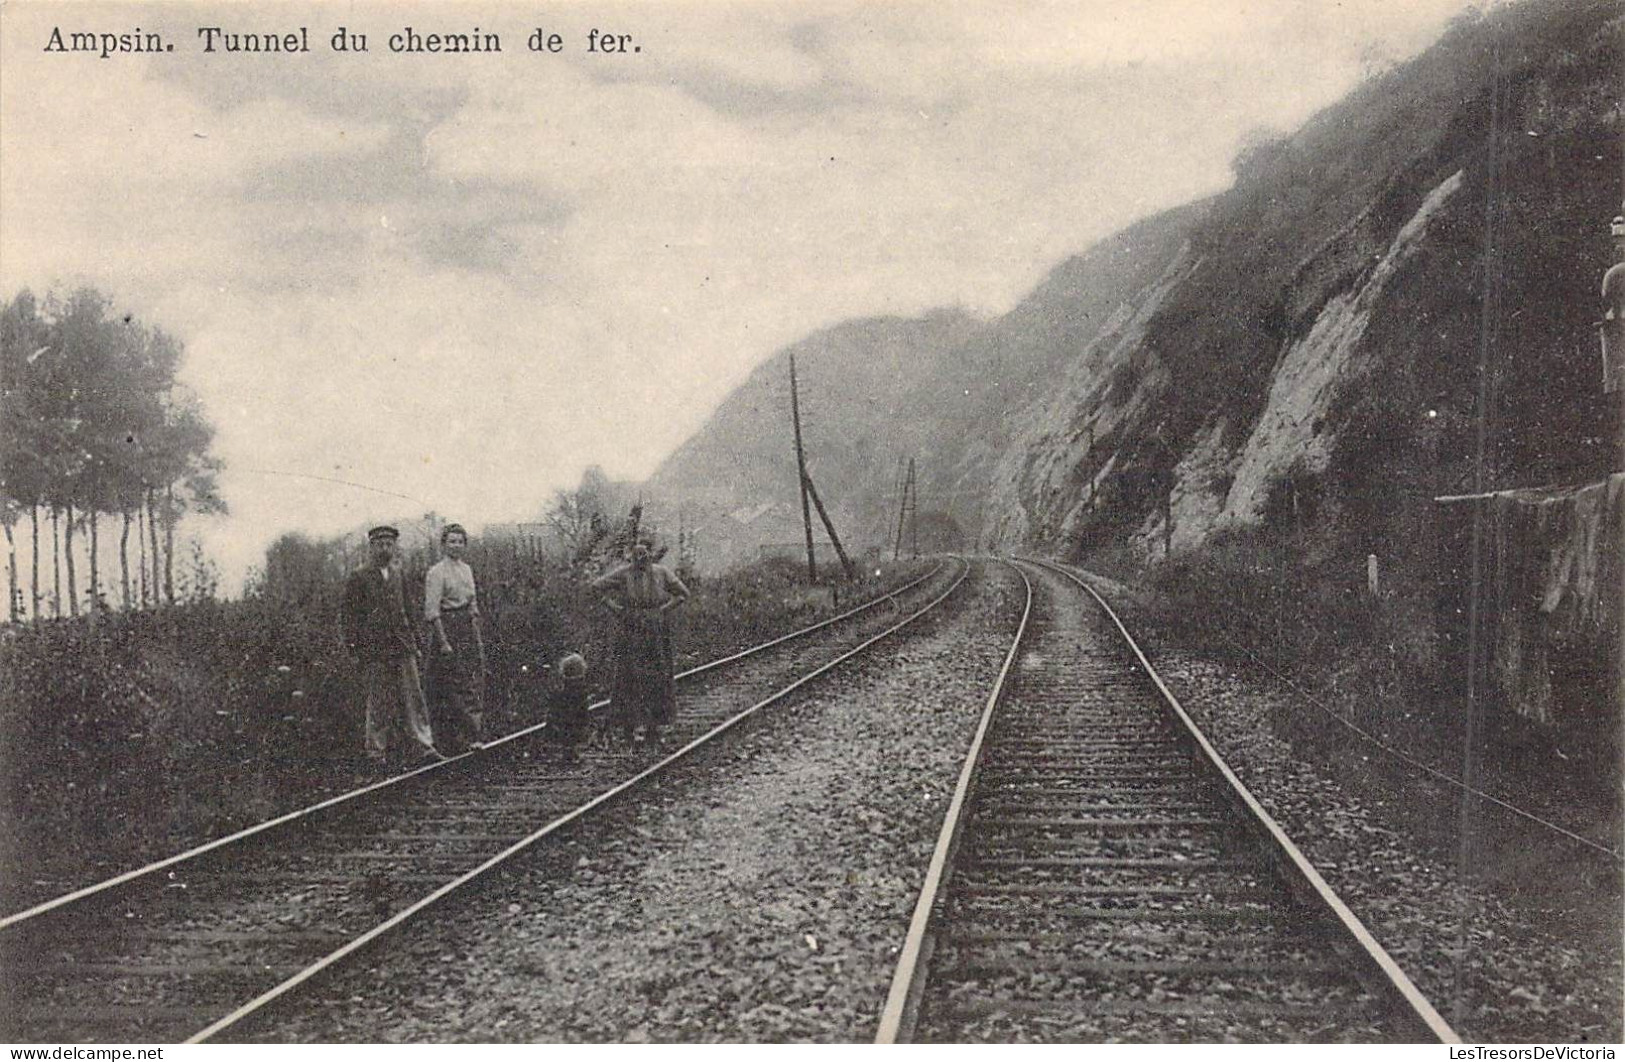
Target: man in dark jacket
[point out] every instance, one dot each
(641, 593)
(386, 654)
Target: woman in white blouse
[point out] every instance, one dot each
(456, 652)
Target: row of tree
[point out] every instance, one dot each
(93, 424)
(583, 530)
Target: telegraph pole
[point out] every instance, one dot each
(829, 528)
(1089, 454)
(906, 505)
(913, 511)
(801, 473)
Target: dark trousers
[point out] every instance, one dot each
(644, 693)
(456, 682)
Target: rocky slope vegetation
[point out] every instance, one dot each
(1303, 347)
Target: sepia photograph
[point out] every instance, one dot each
(812, 522)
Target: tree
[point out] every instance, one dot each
(23, 474)
(96, 423)
(1261, 147)
(579, 519)
(182, 467)
(301, 571)
(939, 531)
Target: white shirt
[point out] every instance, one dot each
(449, 584)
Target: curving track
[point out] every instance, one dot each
(1103, 876)
(185, 948)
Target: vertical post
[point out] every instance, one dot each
(67, 553)
(829, 529)
(33, 561)
(801, 474)
(1088, 453)
(1372, 583)
(902, 508)
(1613, 337)
(95, 572)
(912, 493)
(56, 561)
(1168, 523)
(141, 549)
(1483, 476)
(14, 589)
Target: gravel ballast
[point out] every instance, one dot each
(760, 894)
(1540, 948)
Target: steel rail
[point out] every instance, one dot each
(897, 1017)
(167, 862)
(1383, 972)
(401, 917)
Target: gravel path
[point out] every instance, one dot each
(761, 894)
(1543, 945)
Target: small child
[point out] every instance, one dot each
(567, 707)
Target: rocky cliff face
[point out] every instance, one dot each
(1300, 353)
(1307, 357)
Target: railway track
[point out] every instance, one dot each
(186, 948)
(1102, 875)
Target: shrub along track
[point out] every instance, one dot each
(164, 952)
(1102, 875)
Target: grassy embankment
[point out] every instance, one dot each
(157, 731)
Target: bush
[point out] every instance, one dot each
(1307, 614)
(159, 730)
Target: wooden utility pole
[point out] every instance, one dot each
(1168, 523)
(902, 507)
(1089, 454)
(906, 506)
(829, 527)
(801, 473)
(913, 512)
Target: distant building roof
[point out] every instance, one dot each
(751, 513)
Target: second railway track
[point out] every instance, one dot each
(185, 948)
(1103, 876)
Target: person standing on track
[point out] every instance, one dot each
(379, 638)
(641, 593)
(456, 652)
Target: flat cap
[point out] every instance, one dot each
(382, 531)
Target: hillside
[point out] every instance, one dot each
(1303, 347)
(944, 389)
(735, 481)
(1322, 352)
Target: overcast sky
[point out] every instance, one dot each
(462, 278)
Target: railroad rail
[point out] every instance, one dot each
(188, 947)
(1101, 873)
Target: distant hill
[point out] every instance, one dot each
(941, 389)
(736, 478)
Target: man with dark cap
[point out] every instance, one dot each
(380, 641)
